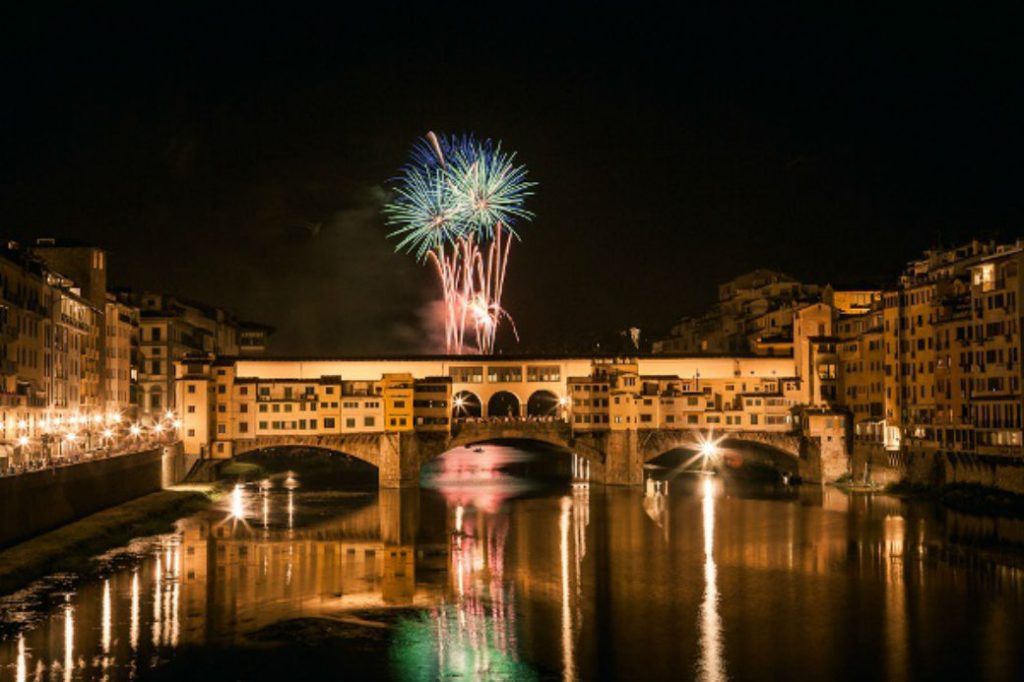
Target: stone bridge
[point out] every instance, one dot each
(615, 457)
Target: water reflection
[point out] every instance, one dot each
(711, 665)
(702, 576)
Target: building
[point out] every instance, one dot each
(172, 327)
(932, 371)
(754, 314)
(122, 356)
(225, 400)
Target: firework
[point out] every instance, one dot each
(456, 204)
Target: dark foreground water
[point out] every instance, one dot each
(488, 575)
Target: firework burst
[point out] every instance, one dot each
(456, 204)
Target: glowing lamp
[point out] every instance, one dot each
(159, 428)
(135, 430)
(708, 449)
(71, 437)
(23, 441)
(107, 433)
(22, 424)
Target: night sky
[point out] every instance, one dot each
(241, 158)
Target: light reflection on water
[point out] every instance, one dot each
(514, 580)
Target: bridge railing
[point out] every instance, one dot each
(546, 419)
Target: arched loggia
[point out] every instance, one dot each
(542, 404)
(503, 404)
(466, 404)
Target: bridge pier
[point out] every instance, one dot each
(623, 463)
(399, 463)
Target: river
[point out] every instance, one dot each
(488, 572)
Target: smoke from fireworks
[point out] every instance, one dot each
(456, 204)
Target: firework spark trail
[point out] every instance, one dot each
(455, 204)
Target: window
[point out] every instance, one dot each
(155, 334)
(191, 433)
(222, 389)
(467, 375)
(263, 425)
(244, 390)
(154, 367)
(191, 388)
(328, 423)
(222, 428)
(263, 407)
(222, 408)
(243, 427)
(350, 423)
(543, 373)
(191, 409)
(369, 421)
(243, 407)
(505, 375)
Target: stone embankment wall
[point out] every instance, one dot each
(930, 468)
(35, 502)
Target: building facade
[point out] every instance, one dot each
(932, 372)
(225, 400)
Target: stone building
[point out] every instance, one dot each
(754, 314)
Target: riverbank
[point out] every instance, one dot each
(969, 498)
(71, 548)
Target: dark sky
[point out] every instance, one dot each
(240, 158)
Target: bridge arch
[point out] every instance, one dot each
(466, 404)
(542, 403)
(364, 447)
(504, 404)
(779, 450)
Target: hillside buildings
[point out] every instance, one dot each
(754, 314)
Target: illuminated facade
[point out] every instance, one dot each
(171, 327)
(122, 355)
(73, 353)
(934, 368)
(230, 404)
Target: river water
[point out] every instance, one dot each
(486, 574)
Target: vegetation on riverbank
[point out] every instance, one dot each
(71, 548)
(965, 497)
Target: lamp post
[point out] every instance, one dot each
(22, 445)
